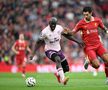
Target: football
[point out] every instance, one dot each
(30, 81)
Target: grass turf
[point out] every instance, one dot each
(47, 81)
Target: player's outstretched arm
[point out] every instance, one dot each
(39, 43)
(14, 50)
(102, 26)
(66, 33)
(29, 50)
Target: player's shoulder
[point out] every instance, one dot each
(80, 22)
(59, 26)
(16, 42)
(97, 18)
(45, 29)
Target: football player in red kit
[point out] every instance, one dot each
(93, 46)
(19, 48)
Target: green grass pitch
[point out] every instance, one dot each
(47, 81)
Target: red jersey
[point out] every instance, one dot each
(89, 30)
(21, 47)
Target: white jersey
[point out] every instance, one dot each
(52, 38)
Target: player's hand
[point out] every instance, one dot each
(106, 31)
(33, 58)
(30, 57)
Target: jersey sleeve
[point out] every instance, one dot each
(101, 25)
(42, 35)
(60, 29)
(76, 28)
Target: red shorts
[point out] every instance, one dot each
(93, 51)
(19, 60)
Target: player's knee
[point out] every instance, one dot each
(95, 64)
(57, 59)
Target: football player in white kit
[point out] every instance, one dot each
(51, 36)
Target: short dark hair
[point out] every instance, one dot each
(87, 9)
(53, 20)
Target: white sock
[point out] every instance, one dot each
(61, 73)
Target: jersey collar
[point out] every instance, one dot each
(92, 19)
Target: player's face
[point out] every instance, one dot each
(52, 26)
(87, 15)
(21, 37)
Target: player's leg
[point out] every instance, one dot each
(106, 72)
(20, 64)
(102, 52)
(86, 62)
(93, 58)
(65, 68)
(17, 63)
(54, 56)
(105, 58)
(24, 66)
(49, 55)
(95, 63)
(60, 71)
(65, 65)
(64, 62)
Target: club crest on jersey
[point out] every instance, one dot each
(85, 26)
(88, 32)
(95, 24)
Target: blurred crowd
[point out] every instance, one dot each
(31, 16)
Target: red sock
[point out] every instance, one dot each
(106, 69)
(23, 70)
